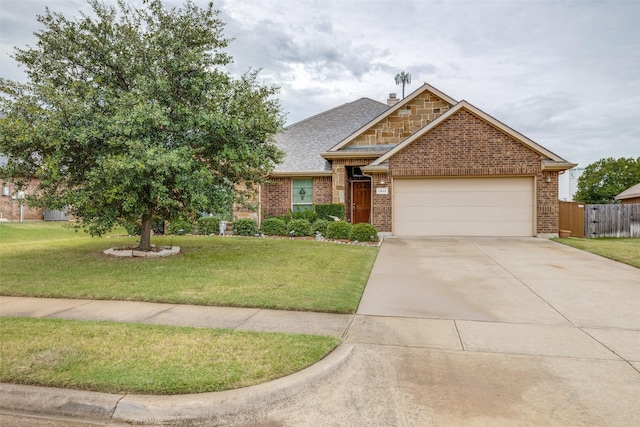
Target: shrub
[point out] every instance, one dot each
(301, 227)
(308, 215)
(274, 227)
(178, 224)
(286, 217)
(321, 226)
(364, 232)
(338, 230)
(245, 227)
(329, 210)
(208, 225)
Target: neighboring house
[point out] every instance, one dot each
(424, 166)
(630, 195)
(14, 206)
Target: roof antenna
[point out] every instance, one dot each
(404, 78)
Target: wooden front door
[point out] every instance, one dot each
(361, 202)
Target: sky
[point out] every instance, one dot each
(564, 73)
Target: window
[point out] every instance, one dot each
(302, 195)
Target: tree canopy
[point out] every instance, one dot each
(601, 181)
(129, 114)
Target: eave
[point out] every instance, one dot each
(352, 154)
(276, 174)
(557, 166)
(384, 168)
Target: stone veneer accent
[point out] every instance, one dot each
(248, 210)
(341, 188)
(402, 123)
(465, 145)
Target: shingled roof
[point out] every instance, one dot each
(630, 193)
(304, 141)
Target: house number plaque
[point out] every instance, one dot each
(382, 190)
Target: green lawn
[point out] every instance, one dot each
(51, 260)
(626, 250)
(133, 358)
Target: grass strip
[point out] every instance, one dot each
(133, 358)
(626, 250)
(50, 260)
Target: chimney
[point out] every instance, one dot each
(393, 99)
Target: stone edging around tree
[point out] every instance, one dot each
(128, 252)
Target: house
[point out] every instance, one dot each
(630, 196)
(426, 165)
(15, 207)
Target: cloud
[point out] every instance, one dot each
(566, 74)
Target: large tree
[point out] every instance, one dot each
(129, 114)
(601, 181)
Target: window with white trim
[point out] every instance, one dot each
(302, 195)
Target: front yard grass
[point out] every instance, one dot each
(134, 358)
(626, 250)
(51, 260)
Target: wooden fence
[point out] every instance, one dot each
(612, 220)
(572, 218)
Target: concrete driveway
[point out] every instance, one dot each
(517, 281)
(486, 332)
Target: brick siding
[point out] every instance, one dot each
(322, 190)
(10, 208)
(276, 194)
(465, 145)
(382, 203)
(630, 201)
(276, 197)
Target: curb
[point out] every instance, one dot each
(216, 408)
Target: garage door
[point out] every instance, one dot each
(463, 207)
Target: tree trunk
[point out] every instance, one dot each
(145, 233)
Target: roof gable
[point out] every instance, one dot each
(550, 159)
(383, 131)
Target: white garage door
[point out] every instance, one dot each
(463, 207)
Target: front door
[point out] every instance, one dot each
(361, 202)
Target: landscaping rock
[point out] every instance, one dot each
(161, 251)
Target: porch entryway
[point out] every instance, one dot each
(361, 205)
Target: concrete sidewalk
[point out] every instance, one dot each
(240, 319)
(450, 331)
